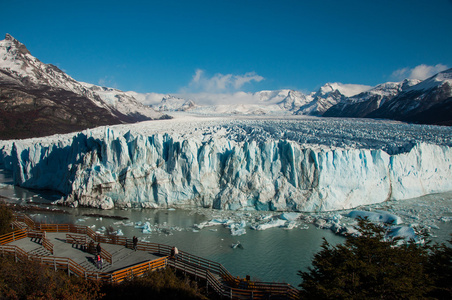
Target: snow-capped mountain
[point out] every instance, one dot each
(265, 102)
(172, 103)
(286, 99)
(259, 103)
(329, 95)
(428, 102)
(358, 106)
(334, 100)
(41, 91)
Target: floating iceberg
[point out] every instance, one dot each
(147, 228)
(270, 224)
(289, 216)
(237, 245)
(237, 229)
(405, 232)
(214, 222)
(376, 216)
(290, 225)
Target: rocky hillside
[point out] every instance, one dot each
(38, 99)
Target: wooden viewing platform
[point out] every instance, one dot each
(66, 247)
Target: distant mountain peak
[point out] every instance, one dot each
(21, 47)
(74, 105)
(437, 80)
(9, 37)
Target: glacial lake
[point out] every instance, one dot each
(274, 255)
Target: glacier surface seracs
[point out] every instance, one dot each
(237, 164)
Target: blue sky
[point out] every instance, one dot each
(221, 46)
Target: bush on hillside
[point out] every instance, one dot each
(6, 217)
(163, 284)
(373, 266)
(30, 280)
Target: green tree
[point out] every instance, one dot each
(440, 269)
(6, 217)
(366, 267)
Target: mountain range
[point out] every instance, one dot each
(411, 100)
(38, 99)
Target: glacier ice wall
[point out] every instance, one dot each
(161, 170)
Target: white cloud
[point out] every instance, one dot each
(220, 83)
(419, 72)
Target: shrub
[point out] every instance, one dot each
(30, 280)
(163, 284)
(6, 217)
(439, 267)
(366, 267)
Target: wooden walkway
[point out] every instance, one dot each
(66, 247)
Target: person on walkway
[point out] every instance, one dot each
(135, 243)
(98, 249)
(174, 252)
(99, 261)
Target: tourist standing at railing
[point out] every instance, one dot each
(174, 252)
(135, 243)
(98, 248)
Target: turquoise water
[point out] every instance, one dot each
(273, 255)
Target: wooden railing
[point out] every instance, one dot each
(140, 269)
(63, 263)
(213, 282)
(13, 236)
(47, 244)
(67, 264)
(18, 253)
(34, 234)
(214, 273)
(25, 219)
(106, 255)
(77, 239)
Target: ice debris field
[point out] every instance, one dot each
(237, 163)
(403, 219)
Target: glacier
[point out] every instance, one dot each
(296, 164)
